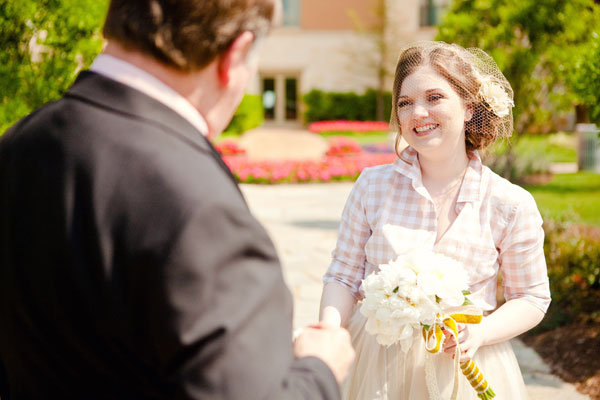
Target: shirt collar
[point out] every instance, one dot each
(408, 164)
(132, 76)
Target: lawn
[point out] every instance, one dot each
(572, 197)
(362, 138)
(556, 147)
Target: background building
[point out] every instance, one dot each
(336, 45)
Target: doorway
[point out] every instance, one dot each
(280, 98)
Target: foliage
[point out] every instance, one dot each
(327, 106)
(534, 43)
(585, 77)
(573, 259)
(570, 196)
(516, 165)
(43, 45)
(249, 115)
(531, 154)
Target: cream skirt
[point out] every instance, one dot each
(387, 373)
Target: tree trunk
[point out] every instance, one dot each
(582, 116)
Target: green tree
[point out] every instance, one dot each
(43, 45)
(534, 42)
(585, 78)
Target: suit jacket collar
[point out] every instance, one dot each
(107, 93)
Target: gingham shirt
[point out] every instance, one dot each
(498, 228)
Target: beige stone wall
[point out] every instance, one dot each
(334, 14)
(336, 59)
(321, 59)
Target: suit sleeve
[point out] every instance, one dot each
(229, 314)
(3, 382)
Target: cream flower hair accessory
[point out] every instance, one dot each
(494, 95)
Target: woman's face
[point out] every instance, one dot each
(431, 114)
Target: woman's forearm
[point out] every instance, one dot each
(511, 319)
(337, 303)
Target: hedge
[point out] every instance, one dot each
(327, 106)
(249, 115)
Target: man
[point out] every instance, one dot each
(130, 266)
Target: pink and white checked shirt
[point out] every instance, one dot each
(498, 228)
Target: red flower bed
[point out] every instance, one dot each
(341, 146)
(356, 126)
(229, 148)
(330, 168)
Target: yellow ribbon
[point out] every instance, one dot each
(434, 343)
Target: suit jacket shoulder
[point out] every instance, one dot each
(138, 246)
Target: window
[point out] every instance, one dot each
(291, 95)
(291, 12)
(269, 98)
(432, 11)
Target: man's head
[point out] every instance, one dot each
(204, 49)
(185, 35)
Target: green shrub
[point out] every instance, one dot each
(249, 115)
(573, 259)
(584, 76)
(349, 106)
(43, 45)
(516, 165)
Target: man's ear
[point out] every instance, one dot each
(234, 56)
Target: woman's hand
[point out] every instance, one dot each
(470, 337)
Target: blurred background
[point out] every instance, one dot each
(318, 108)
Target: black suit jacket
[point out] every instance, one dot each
(130, 265)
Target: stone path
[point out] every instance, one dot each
(303, 221)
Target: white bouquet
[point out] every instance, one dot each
(411, 292)
(422, 292)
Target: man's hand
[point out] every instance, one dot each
(330, 344)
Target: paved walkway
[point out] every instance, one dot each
(303, 221)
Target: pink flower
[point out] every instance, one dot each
(229, 148)
(342, 167)
(357, 126)
(341, 145)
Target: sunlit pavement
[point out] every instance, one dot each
(303, 219)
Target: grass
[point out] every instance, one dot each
(361, 137)
(556, 147)
(234, 137)
(573, 197)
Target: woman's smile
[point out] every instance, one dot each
(425, 129)
(431, 113)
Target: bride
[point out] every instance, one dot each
(448, 103)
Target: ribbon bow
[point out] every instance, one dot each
(434, 342)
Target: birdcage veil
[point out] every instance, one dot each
(475, 76)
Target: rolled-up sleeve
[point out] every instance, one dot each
(522, 261)
(348, 264)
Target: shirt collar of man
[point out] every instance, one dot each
(132, 76)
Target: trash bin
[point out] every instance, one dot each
(588, 149)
